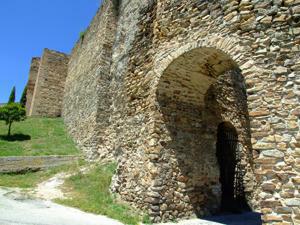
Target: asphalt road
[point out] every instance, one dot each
(247, 218)
(17, 209)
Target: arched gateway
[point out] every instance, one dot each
(151, 83)
(196, 94)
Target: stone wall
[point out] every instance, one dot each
(49, 86)
(259, 37)
(34, 68)
(127, 28)
(87, 100)
(151, 81)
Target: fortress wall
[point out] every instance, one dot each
(87, 97)
(262, 38)
(128, 25)
(129, 119)
(150, 81)
(49, 87)
(34, 68)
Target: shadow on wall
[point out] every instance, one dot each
(227, 98)
(191, 118)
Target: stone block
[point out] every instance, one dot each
(292, 202)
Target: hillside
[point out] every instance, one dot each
(36, 136)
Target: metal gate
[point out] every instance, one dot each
(231, 172)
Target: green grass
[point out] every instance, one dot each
(90, 193)
(35, 137)
(31, 179)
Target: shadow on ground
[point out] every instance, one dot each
(247, 218)
(15, 137)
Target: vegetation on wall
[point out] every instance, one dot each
(117, 4)
(82, 35)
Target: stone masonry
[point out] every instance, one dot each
(86, 115)
(49, 85)
(152, 81)
(34, 68)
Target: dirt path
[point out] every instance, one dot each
(51, 189)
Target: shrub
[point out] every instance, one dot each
(12, 112)
(23, 98)
(12, 96)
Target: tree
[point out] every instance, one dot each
(23, 98)
(12, 112)
(12, 96)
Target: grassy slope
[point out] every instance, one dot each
(31, 179)
(86, 191)
(90, 192)
(36, 136)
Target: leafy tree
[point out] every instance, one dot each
(12, 96)
(12, 112)
(23, 98)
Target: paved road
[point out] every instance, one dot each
(16, 209)
(248, 218)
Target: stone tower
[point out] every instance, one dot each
(34, 69)
(46, 84)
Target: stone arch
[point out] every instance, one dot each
(228, 45)
(197, 69)
(194, 87)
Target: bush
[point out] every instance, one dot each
(23, 98)
(12, 112)
(12, 96)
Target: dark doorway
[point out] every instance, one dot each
(231, 174)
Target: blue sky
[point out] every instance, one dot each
(29, 26)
